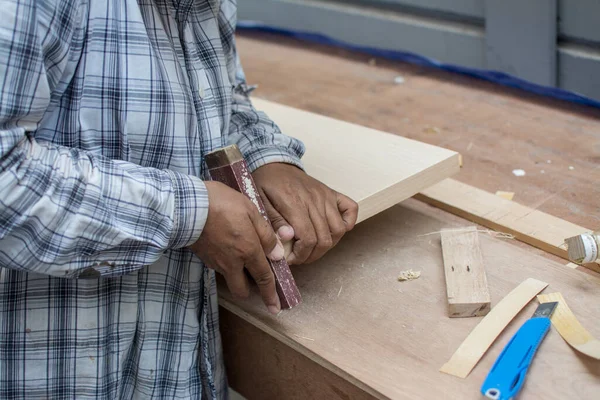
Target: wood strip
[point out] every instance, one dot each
(376, 169)
(531, 226)
(466, 282)
(483, 335)
(570, 328)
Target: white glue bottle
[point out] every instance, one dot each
(584, 248)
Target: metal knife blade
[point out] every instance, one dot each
(545, 310)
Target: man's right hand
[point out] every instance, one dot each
(236, 236)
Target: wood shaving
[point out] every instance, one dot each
(499, 235)
(409, 275)
(340, 292)
(304, 337)
(505, 195)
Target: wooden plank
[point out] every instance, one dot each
(466, 282)
(481, 338)
(531, 226)
(374, 168)
(540, 135)
(390, 338)
(570, 328)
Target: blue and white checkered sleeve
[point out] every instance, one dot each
(260, 140)
(63, 210)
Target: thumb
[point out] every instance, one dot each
(284, 230)
(269, 241)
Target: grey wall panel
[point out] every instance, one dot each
(521, 39)
(580, 19)
(579, 71)
(470, 8)
(446, 42)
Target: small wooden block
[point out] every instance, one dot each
(466, 281)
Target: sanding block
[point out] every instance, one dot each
(227, 165)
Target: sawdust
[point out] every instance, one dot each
(249, 189)
(432, 130)
(409, 275)
(340, 292)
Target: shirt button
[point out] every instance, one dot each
(90, 273)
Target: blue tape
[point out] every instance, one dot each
(412, 58)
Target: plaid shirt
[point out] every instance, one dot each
(107, 108)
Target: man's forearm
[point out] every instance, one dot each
(64, 211)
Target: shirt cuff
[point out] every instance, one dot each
(191, 209)
(256, 157)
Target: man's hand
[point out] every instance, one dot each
(236, 236)
(304, 209)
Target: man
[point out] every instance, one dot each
(107, 108)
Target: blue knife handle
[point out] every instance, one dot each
(507, 375)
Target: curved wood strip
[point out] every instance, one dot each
(570, 328)
(481, 338)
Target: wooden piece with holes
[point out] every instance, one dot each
(466, 281)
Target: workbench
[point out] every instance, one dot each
(361, 334)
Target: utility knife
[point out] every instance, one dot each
(507, 375)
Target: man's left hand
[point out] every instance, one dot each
(304, 209)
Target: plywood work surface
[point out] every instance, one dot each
(389, 338)
(495, 129)
(374, 168)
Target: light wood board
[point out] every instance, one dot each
(466, 282)
(531, 226)
(570, 328)
(374, 168)
(495, 129)
(481, 338)
(389, 338)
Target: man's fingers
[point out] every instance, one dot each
(261, 272)
(306, 238)
(294, 211)
(237, 282)
(280, 225)
(318, 218)
(284, 231)
(348, 209)
(271, 246)
(337, 227)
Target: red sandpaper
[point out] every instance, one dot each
(237, 176)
